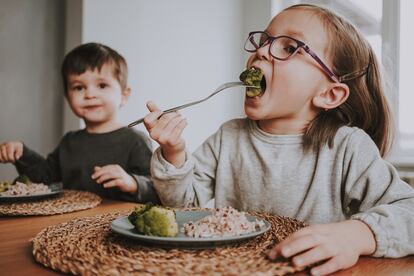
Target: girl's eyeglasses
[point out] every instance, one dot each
(282, 48)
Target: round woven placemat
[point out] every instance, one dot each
(69, 201)
(87, 246)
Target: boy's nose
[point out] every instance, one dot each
(90, 93)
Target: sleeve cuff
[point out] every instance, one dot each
(162, 169)
(145, 190)
(381, 235)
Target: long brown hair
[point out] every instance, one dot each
(354, 61)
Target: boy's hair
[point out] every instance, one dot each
(91, 56)
(355, 63)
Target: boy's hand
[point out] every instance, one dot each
(339, 244)
(166, 131)
(11, 151)
(114, 176)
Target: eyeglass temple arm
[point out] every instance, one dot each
(331, 75)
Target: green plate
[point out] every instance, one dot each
(123, 227)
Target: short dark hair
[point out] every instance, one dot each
(91, 56)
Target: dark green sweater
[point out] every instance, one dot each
(78, 152)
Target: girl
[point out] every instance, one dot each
(311, 146)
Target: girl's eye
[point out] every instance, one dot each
(290, 49)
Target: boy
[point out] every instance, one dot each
(105, 157)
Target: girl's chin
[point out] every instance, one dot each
(253, 114)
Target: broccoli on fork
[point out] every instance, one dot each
(253, 77)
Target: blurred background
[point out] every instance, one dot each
(177, 51)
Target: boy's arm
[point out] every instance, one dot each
(376, 195)
(139, 168)
(37, 168)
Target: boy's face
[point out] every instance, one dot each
(290, 84)
(95, 96)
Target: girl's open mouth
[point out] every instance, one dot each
(254, 77)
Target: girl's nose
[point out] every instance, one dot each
(263, 52)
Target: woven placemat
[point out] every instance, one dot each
(87, 246)
(67, 202)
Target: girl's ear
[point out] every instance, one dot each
(335, 95)
(125, 95)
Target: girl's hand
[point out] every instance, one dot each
(339, 244)
(114, 176)
(166, 131)
(11, 151)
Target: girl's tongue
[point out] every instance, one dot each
(253, 77)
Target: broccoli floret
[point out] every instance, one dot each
(138, 210)
(252, 77)
(22, 179)
(4, 186)
(154, 221)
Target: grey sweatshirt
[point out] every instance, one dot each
(73, 162)
(246, 168)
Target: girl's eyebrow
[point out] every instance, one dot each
(295, 34)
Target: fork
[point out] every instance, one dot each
(218, 89)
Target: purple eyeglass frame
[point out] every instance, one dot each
(301, 44)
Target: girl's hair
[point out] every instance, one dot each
(354, 61)
(91, 56)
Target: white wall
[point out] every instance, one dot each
(31, 94)
(178, 51)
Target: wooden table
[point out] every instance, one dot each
(16, 256)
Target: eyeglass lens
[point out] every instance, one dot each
(281, 48)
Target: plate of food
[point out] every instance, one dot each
(22, 189)
(166, 227)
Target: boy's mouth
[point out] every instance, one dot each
(254, 77)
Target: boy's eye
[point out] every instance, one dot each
(77, 88)
(102, 85)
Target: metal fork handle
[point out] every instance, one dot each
(220, 88)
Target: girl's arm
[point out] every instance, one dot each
(375, 195)
(191, 184)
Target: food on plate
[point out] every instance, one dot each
(22, 186)
(254, 77)
(154, 220)
(4, 186)
(223, 222)
(22, 179)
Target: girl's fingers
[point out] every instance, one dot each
(312, 256)
(276, 250)
(178, 130)
(170, 126)
(328, 267)
(299, 244)
(152, 106)
(151, 120)
(163, 123)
